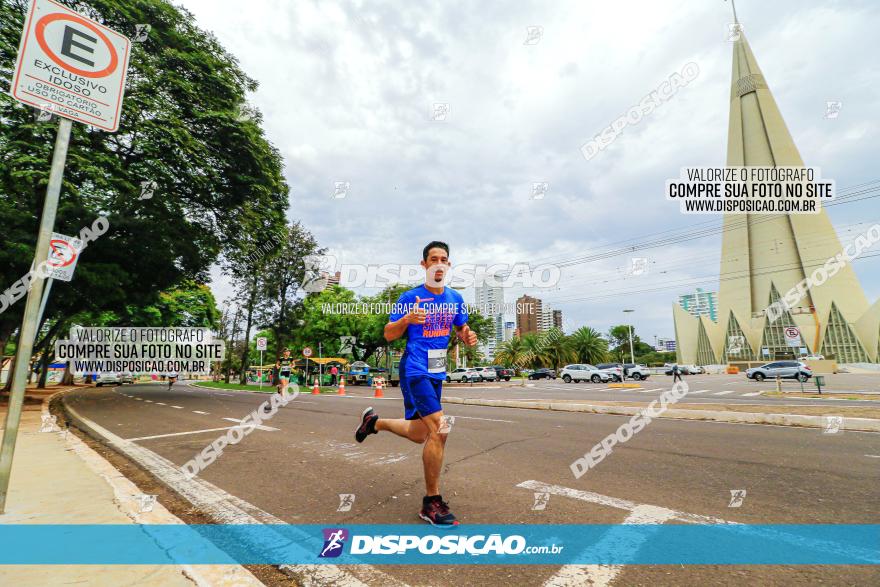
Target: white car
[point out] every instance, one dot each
(126, 377)
(487, 373)
(583, 372)
(464, 374)
(694, 369)
(108, 379)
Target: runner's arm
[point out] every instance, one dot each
(466, 335)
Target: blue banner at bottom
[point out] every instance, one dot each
(642, 544)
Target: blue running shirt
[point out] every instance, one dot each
(426, 343)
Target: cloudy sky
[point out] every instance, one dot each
(348, 91)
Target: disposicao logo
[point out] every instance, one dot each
(334, 542)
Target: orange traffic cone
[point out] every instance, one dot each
(341, 386)
(378, 390)
(315, 389)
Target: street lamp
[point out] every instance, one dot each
(632, 355)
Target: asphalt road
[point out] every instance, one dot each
(498, 458)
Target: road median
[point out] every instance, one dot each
(703, 412)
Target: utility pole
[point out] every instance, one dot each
(632, 356)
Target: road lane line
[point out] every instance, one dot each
(486, 419)
(178, 407)
(697, 391)
(179, 433)
(160, 404)
(137, 398)
(258, 426)
(728, 392)
(873, 456)
(202, 413)
(752, 394)
(229, 509)
(614, 541)
(149, 401)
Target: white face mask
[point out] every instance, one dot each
(431, 274)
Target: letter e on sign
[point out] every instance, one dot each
(71, 65)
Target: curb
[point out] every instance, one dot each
(124, 491)
(854, 424)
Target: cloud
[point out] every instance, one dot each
(347, 92)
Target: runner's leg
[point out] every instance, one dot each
(432, 454)
(414, 430)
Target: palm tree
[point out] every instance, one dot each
(533, 347)
(589, 346)
(510, 352)
(557, 349)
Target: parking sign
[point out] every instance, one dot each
(71, 66)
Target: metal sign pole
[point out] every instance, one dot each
(261, 370)
(34, 299)
(48, 289)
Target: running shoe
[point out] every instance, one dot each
(367, 426)
(436, 512)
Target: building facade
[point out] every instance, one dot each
(700, 303)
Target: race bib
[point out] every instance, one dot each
(436, 360)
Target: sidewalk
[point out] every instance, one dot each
(58, 479)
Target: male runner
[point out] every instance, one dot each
(433, 310)
(284, 367)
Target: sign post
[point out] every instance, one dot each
(75, 68)
(261, 346)
(307, 352)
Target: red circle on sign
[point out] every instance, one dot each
(56, 250)
(792, 332)
(307, 352)
(41, 39)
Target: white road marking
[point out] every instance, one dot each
(752, 394)
(873, 456)
(486, 419)
(226, 508)
(160, 404)
(697, 391)
(149, 401)
(180, 433)
(655, 389)
(624, 504)
(139, 399)
(612, 542)
(178, 407)
(258, 426)
(202, 413)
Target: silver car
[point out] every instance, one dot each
(487, 373)
(107, 379)
(781, 369)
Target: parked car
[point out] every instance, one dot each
(783, 369)
(542, 374)
(613, 370)
(632, 370)
(126, 377)
(583, 372)
(502, 372)
(464, 374)
(107, 379)
(487, 373)
(685, 369)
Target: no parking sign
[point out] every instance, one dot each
(63, 254)
(792, 336)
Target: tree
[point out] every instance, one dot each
(557, 350)
(589, 346)
(510, 352)
(217, 179)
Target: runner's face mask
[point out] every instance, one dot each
(435, 275)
